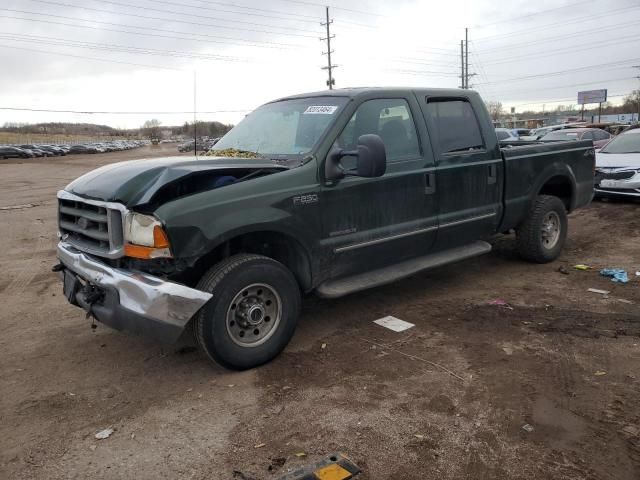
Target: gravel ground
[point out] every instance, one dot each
(446, 399)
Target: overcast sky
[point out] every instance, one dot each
(141, 55)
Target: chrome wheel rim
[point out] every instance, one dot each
(550, 230)
(253, 315)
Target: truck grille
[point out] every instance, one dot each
(91, 226)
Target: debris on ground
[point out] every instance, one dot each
(393, 323)
(500, 303)
(562, 269)
(623, 300)
(600, 373)
(527, 428)
(581, 266)
(334, 467)
(106, 433)
(617, 275)
(597, 290)
(260, 445)
(300, 454)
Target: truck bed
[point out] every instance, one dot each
(528, 166)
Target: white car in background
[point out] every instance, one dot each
(618, 166)
(506, 135)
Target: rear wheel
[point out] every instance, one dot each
(253, 313)
(541, 237)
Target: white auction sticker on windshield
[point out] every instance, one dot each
(321, 109)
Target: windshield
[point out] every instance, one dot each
(561, 135)
(288, 127)
(628, 142)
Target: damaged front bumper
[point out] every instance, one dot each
(125, 300)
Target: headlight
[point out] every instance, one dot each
(144, 237)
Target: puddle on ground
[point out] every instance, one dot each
(558, 425)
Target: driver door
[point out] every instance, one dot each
(372, 222)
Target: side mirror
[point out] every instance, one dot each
(371, 159)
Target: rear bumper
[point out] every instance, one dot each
(130, 301)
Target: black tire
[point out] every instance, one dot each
(226, 281)
(535, 245)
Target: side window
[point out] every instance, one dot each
(588, 136)
(457, 128)
(601, 135)
(391, 120)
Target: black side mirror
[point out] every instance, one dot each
(371, 159)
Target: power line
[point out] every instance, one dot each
(533, 14)
(561, 51)
(611, 80)
(563, 23)
(163, 19)
(141, 7)
(88, 58)
(115, 47)
(578, 33)
(87, 112)
(301, 2)
(261, 44)
(563, 72)
(306, 19)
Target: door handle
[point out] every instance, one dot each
(493, 174)
(430, 185)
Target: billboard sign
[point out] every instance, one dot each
(592, 96)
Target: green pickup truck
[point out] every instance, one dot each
(330, 192)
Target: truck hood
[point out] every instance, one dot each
(136, 182)
(617, 160)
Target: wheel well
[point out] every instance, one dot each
(278, 246)
(559, 186)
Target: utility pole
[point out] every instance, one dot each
(195, 124)
(637, 96)
(466, 58)
(331, 81)
(461, 63)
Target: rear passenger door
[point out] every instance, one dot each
(469, 170)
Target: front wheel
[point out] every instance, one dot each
(253, 312)
(541, 237)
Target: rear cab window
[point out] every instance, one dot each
(457, 129)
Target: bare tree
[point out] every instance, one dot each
(151, 129)
(495, 109)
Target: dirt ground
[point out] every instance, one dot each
(446, 399)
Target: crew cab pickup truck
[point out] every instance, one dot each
(330, 192)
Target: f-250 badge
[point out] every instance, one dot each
(309, 199)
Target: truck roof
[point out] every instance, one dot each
(364, 91)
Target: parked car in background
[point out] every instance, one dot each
(612, 128)
(599, 137)
(520, 132)
(187, 146)
(7, 151)
(506, 135)
(538, 133)
(618, 166)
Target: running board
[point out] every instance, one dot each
(382, 276)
